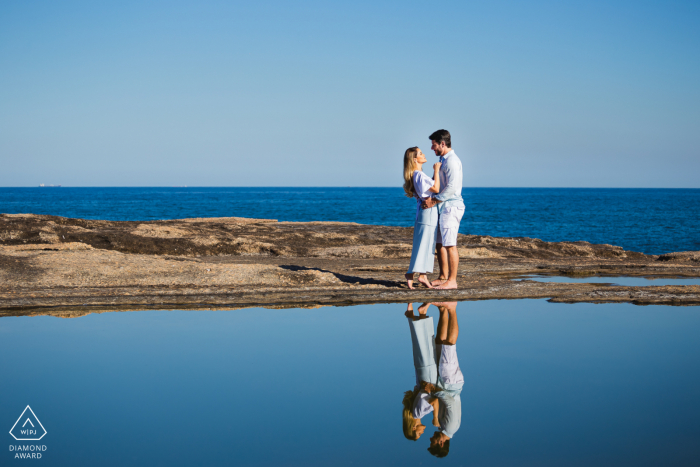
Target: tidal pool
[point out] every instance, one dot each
(543, 384)
(616, 280)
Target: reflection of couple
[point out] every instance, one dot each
(439, 380)
(440, 210)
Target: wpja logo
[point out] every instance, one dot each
(28, 428)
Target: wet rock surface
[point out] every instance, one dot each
(69, 267)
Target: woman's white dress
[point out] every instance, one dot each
(425, 227)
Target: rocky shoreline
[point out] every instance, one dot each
(70, 267)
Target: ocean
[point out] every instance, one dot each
(652, 221)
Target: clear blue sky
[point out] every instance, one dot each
(207, 93)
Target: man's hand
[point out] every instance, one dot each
(428, 387)
(429, 203)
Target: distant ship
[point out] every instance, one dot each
(49, 186)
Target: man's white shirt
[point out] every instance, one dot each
(450, 181)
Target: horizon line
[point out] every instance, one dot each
(357, 187)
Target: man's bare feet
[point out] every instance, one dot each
(424, 280)
(409, 280)
(447, 304)
(447, 285)
(437, 282)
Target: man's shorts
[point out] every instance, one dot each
(448, 225)
(449, 366)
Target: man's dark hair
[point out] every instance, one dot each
(438, 451)
(440, 136)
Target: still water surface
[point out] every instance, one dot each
(617, 280)
(544, 384)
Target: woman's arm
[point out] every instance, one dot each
(434, 401)
(436, 178)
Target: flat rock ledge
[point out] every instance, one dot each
(67, 267)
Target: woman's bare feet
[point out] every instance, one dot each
(409, 280)
(423, 279)
(409, 311)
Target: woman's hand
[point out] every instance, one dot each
(436, 181)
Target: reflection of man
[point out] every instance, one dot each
(450, 208)
(449, 383)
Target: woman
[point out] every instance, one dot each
(418, 185)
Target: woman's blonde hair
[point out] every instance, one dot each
(409, 423)
(409, 166)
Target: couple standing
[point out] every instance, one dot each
(439, 212)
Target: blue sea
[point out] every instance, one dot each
(652, 221)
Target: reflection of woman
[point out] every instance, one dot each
(418, 403)
(418, 185)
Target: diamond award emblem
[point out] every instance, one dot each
(28, 427)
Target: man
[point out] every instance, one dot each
(450, 208)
